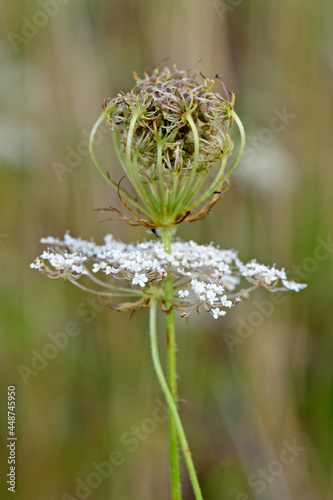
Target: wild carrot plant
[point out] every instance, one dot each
(171, 136)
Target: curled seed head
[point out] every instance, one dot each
(161, 116)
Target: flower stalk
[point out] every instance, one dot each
(171, 137)
(171, 403)
(172, 371)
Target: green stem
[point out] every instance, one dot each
(149, 195)
(133, 173)
(173, 193)
(242, 144)
(161, 175)
(219, 179)
(91, 150)
(196, 150)
(203, 177)
(172, 379)
(179, 204)
(103, 174)
(118, 152)
(172, 407)
(172, 371)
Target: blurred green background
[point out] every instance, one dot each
(250, 384)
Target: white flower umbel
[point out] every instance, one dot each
(204, 275)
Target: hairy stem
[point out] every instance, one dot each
(172, 372)
(103, 174)
(172, 408)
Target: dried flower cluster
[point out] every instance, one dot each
(161, 115)
(169, 132)
(203, 275)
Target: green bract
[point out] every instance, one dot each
(171, 137)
